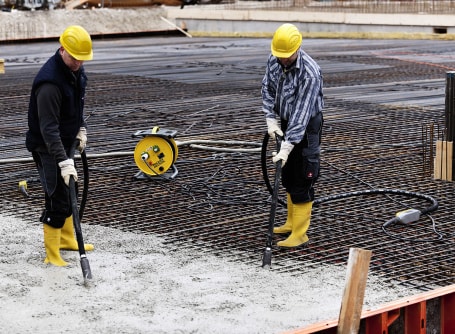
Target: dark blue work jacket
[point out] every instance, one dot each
(70, 114)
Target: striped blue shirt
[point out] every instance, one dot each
(294, 94)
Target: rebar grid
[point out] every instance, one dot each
(219, 204)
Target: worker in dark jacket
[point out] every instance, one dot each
(55, 122)
(292, 102)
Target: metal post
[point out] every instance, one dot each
(450, 111)
(450, 106)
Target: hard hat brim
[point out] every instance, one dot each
(283, 54)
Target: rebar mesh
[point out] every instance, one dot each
(218, 203)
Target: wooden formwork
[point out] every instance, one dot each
(428, 312)
(443, 161)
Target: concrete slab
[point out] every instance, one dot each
(26, 25)
(220, 21)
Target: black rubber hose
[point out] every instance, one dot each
(86, 271)
(85, 187)
(267, 256)
(265, 173)
(431, 200)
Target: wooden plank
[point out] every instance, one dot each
(2, 66)
(443, 160)
(354, 291)
(325, 327)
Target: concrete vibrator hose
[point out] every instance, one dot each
(403, 217)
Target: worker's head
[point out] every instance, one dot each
(286, 41)
(77, 42)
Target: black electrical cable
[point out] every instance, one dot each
(433, 225)
(213, 192)
(431, 208)
(395, 220)
(216, 193)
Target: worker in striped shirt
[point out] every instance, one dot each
(292, 101)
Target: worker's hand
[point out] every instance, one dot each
(273, 128)
(82, 136)
(67, 170)
(285, 149)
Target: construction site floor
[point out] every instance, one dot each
(385, 109)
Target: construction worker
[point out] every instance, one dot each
(292, 100)
(55, 122)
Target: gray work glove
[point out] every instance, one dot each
(82, 136)
(273, 128)
(67, 170)
(285, 149)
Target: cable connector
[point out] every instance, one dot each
(408, 216)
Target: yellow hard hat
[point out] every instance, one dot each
(286, 41)
(77, 42)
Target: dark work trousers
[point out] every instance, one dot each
(302, 168)
(56, 192)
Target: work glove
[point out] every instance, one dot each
(273, 128)
(285, 149)
(67, 170)
(82, 136)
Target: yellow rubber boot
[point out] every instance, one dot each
(301, 223)
(52, 245)
(287, 226)
(68, 240)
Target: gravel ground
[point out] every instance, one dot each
(140, 285)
